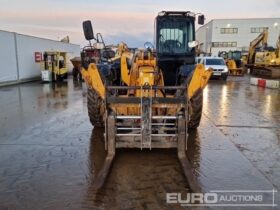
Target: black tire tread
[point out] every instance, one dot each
(196, 104)
(95, 106)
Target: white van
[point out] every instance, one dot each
(217, 64)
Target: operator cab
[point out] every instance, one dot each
(174, 32)
(175, 42)
(235, 55)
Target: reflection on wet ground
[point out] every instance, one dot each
(138, 179)
(49, 153)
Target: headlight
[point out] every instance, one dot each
(226, 69)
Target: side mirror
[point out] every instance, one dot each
(201, 19)
(149, 45)
(88, 32)
(193, 44)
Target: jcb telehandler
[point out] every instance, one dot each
(151, 98)
(234, 62)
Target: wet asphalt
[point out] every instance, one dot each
(50, 154)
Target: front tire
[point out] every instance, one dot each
(96, 108)
(195, 109)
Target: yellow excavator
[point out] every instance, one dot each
(151, 98)
(277, 51)
(264, 62)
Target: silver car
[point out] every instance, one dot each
(218, 65)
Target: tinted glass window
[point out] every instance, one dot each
(215, 62)
(174, 36)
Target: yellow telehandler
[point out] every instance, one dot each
(150, 98)
(234, 62)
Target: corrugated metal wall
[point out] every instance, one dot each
(8, 61)
(17, 55)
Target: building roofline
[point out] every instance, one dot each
(245, 18)
(212, 20)
(36, 37)
(205, 25)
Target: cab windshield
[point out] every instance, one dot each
(215, 62)
(234, 55)
(174, 36)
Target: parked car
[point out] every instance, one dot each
(217, 64)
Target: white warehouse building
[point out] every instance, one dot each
(235, 34)
(17, 56)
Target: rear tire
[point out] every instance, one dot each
(195, 110)
(96, 108)
(59, 78)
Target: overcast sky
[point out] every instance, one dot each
(127, 20)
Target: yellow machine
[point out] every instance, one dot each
(234, 62)
(244, 58)
(264, 62)
(148, 99)
(261, 39)
(54, 66)
(269, 56)
(277, 51)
